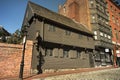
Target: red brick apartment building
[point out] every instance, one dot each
(92, 14)
(114, 16)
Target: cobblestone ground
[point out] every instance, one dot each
(109, 74)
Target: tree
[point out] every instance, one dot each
(3, 39)
(15, 38)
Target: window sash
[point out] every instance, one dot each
(67, 32)
(51, 28)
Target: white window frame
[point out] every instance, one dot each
(95, 32)
(95, 37)
(109, 37)
(101, 34)
(105, 35)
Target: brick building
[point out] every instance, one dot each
(59, 42)
(92, 13)
(114, 15)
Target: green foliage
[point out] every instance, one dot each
(0, 33)
(3, 39)
(2, 36)
(15, 38)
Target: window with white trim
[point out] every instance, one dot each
(95, 37)
(93, 18)
(48, 52)
(101, 34)
(95, 32)
(67, 32)
(91, 3)
(105, 35)
(64, 9)
(65, 53)
(109, 37)
(51, 28)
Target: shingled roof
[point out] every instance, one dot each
(3, 32)
(48, 14)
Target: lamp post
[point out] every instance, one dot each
(23, 55)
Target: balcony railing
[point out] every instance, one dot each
(101, 13)
(102, 3)
(104, 27)
(103, 43)
(106, 44)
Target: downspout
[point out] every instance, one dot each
(114, 56)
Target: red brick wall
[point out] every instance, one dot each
(10, 59)
(80, 10)
(114, 11)
(73, 12)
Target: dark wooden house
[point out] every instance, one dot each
(59, 42)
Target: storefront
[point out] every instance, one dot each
(118, 58)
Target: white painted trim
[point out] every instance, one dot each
(113, 42)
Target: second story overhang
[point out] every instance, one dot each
(38, 12)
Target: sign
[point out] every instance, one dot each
(24, 39)
(117, 51)
(118, 55)
(106, 50)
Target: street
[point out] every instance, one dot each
(106, 74)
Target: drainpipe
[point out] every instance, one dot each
(114, 56)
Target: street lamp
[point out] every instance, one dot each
(23, 55)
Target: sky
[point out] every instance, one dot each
(12, 11)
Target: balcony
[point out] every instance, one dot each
(102, 13)
(103, 43)
(106, 44)
(101, 3)
(104, 27)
